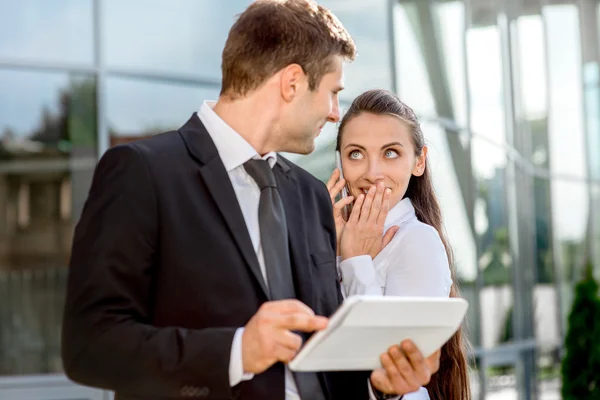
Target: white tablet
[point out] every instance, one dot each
(364, 327)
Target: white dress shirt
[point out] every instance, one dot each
(414, 263)
(234, 151)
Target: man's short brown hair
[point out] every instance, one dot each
(272, 34)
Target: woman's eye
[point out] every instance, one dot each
(391, 154)
(355, 155)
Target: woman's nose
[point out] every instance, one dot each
(374, 174)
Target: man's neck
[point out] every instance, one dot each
(251, 119)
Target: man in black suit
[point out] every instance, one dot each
(200, 251)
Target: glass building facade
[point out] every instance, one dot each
(508, 93)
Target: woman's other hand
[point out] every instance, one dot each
(363, 232)
(335, 186)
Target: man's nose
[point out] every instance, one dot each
(334, 114)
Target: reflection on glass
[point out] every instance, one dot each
(47, 155)
(548, 375)
(495, 260)
(413, 81)
(367, 23)
(548, 339)
(138, 108)
(501, 382)
(451, 18)
(456, 219)
(591, 76)
(485, 87)
(595, 191)
(570, 202)
(56, 31)
(532, 69)
(191, 43)
(532, 66)
(570, 199)
(567, 141)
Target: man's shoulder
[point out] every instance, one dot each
(160, 148)
(161, 142)
(304, 178)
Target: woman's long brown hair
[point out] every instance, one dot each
(451, 382)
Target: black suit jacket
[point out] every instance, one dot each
(163, 272)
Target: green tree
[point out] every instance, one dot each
(581, 364)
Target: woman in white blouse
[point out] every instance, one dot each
(393, 242)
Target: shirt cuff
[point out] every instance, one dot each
(358, 276)
(372, 395)
(236, 364)
(338, 261)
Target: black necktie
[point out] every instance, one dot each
(273, 231)
(274, 241)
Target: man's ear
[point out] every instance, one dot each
(419, 168)
(292, 81)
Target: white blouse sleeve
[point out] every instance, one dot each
(418, 265)
(358, 276)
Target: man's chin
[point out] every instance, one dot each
(305, 150)
(301, 148)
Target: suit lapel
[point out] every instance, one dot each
(299, 252)
(214, 175)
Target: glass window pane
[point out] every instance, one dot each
(191, 44)
(495, 260)
(591, 74)
(456, 218)
(501, 382)
(549, 375)
(136, 108)
(567, 143)
(47, 157)
(570, 205)
(595, 248)
(451, 18)
(485, 84)
(414, 85)
(56, 31)
(367, 22)
(532, 66)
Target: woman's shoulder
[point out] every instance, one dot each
(414, 230)
(412, 236)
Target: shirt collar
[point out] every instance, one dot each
(233, 149)
(400, 213)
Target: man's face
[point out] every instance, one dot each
(306, 116)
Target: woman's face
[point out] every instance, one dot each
(377, 148)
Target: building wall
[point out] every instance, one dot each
(508, 97)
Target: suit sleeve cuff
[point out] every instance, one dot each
(236, 364)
